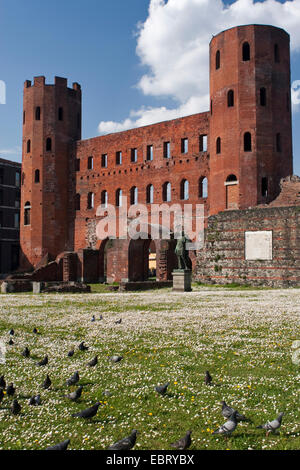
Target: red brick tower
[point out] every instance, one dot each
(51, 124)
(250, 126)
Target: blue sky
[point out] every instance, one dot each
(94, 42)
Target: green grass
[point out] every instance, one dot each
(163, 337)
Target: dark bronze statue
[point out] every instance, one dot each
(184, 261)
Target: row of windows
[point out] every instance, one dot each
(6, 179)
(262, 97)
(149, 154)
(134, 194)
(248, 143)
(246, 54)
(60, 115)
(10, 222)
(48, 145)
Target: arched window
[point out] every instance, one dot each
(27, 210)
(264, 186)
(60, 114)
(119, 197)
(77, 202)
(24, 117)
(263, 97)
(278, 142)
(48, 144)
(211, 106)
(218, 60)
(203, 187)
(150, 194)
(231, 179)
(246, 51)
(28, 146)
(230, 99)
(166, 192)
(184, 190)
(104, 198)
(38, 113)
(91, 200)
(276, 53)
(218, 145)
(134, 195)
(37, 176)
(247, 142)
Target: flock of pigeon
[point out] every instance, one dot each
(232, 416)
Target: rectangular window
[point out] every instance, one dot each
(104, 160)
(1, 219)
(17, 220)
(167, 150)
(184, 145)
(1, 175)
(134, 155)
(90, 163)
(203, 143)
(18, 179)
(77, 164)
(17, 199)
(264, 186)
(1, 197)
(119, 158)
(149, 152)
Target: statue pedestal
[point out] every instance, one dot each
(182, 280)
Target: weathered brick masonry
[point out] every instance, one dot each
(223, 259)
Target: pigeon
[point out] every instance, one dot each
(47, 382)
(229, 426)
(10, 342)
(16, 408)
(61, 446)
(43, 362)
(227, 411)
(118, 322)
(35, 400)
(125, 444)
(101, 317)
(93, 319)
(82, 347)
(35, 331)
(116, 358)
(10, 390)
(162, 389)
(26, 352)
(88, 413)
(71, 353)
(208, 378)
(272, 426)
(2, 382)
(12, 332)
(75, 395)
(93, 362)
(74, 379)
(184, 442)
(1, 394)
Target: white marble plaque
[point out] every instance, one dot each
(258, 245)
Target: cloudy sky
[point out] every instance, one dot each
(138, 61)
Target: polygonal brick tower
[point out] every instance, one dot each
(51, 124)
(250, 124)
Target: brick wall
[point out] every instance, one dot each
(223, 260)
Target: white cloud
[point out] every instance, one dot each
(296, 95)
(11, 152)
(173, 44)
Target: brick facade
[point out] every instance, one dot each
(242, 147)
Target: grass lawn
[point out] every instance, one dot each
(243, 337)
